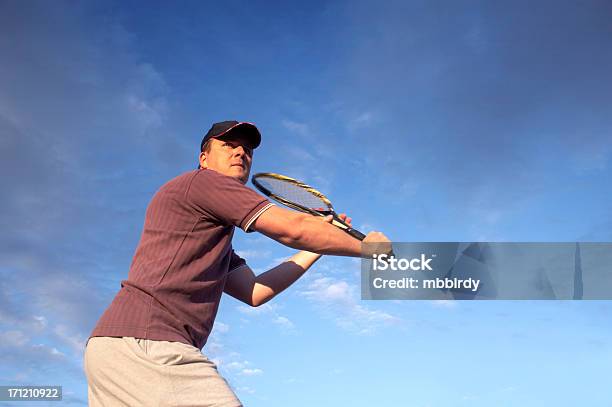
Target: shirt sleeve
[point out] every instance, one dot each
(236, 262)
(225, 199)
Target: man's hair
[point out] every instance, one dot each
(205, 149)
(206, 146)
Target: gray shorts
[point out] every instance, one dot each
(140, 372)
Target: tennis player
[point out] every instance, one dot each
(146, 348)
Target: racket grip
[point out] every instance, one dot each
(355, 233)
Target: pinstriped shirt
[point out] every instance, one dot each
(179, 270)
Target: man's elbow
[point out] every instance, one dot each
(258, 303)
(259, 300)
(295, 235)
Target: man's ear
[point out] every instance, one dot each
(203, 157)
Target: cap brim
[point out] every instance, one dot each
(246, 129)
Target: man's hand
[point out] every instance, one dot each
(343, 218)
(376, 242)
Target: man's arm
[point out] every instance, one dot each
(253, 290)
(309, 233)
(314, 234)
(243, 285)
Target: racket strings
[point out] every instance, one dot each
(294, 193)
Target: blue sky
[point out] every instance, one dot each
(429, 121)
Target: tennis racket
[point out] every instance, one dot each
(301, 197)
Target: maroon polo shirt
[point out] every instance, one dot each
(183, 258)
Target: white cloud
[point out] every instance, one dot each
(300, 129)
(17, 351)
(239, 366)
(269, 310)
(75, 341)
(236, 365)
(286, 325)
(71, 118)
(54, 351)
(231, 363)
(252, 372)
(445, 303)
(42, 321)
(298, 153)
(13, 338)
(338, 300)
(284, 322)
(360, 120)
(261, 310)
(246, 389)
(363, 119)
(251, 254)
(470, 397)
(476, 39)
(327, 290)
(221, 327)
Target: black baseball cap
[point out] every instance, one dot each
(223, 128)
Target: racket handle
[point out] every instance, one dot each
(355, 233)
(343, 225)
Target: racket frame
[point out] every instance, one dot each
(336, 221)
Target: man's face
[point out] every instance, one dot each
(230, 155)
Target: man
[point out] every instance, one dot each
(145, 349)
